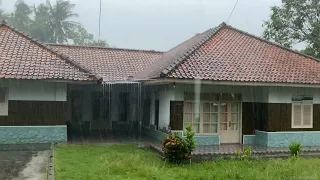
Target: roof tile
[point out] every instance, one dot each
(24, 58)
(112, 64)
(229, 54)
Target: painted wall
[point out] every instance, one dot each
(284, 139)
(248, 93)
(165, 95)
(35, 90)
(32, 134)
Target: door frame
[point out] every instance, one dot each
(239, 120)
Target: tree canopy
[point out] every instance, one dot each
(295, 21)
(50, 23)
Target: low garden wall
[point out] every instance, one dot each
(283, 139)
(32, 134)
(200, 140)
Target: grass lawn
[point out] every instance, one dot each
(128, 162)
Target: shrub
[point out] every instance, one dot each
(178, 150)
(295, 148)
(245, 154)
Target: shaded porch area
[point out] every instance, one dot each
(103, 112)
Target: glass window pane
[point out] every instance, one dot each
(214, 117)
(206, 107)
(196, 107)
(188, 107)
(206, 128)
(223, 126)
(187, 117)
(234, 107)
(210, 128)
(196, 118)
(224, 117)
(214, 107)
(196, 128)
(234, 117)
(206, 117)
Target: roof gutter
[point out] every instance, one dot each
(228, 83)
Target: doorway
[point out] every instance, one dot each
(230, 122)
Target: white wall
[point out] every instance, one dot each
(248, 94)
(165, 95)
(35, 90)
(284, 94)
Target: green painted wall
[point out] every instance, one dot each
(32, 134)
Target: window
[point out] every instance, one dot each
(192, 115)
(302, 112)
(212, 112)
(209, 117)
(3, 102)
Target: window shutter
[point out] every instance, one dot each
(176, 115)
(307, 115)
(297, 117)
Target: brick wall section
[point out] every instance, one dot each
(35, 113)
(279, 118)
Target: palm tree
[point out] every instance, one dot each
(20, 18)
(60, 23)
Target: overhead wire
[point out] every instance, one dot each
(232, 11)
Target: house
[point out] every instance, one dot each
(231, 86)
(34, 81)
(234, 87)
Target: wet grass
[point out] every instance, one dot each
(84, 162)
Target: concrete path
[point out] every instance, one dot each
(36, 168)
(23, 162)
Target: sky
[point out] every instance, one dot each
(162, 24)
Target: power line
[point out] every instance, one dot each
(99, 22)
(232, 10)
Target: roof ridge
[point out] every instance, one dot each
(44, 46)
(99, 47)
(272, 43)
(188, 53)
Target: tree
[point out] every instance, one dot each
(50, 23)
(295, 21)
(60, 22)
(20, 18)
(40, 27)
(80, 36)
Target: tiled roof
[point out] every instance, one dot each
(228, 54)
(22, 57)
(112, 64)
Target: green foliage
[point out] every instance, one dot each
(295, 21)
(295, 148)
(190, 138)
(245, 154)
(50, 23)
(178, 150)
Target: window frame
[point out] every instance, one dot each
(201, 123)
(301, 104)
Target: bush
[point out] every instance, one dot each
(245, 154)
(178, 150)
(295, 148)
